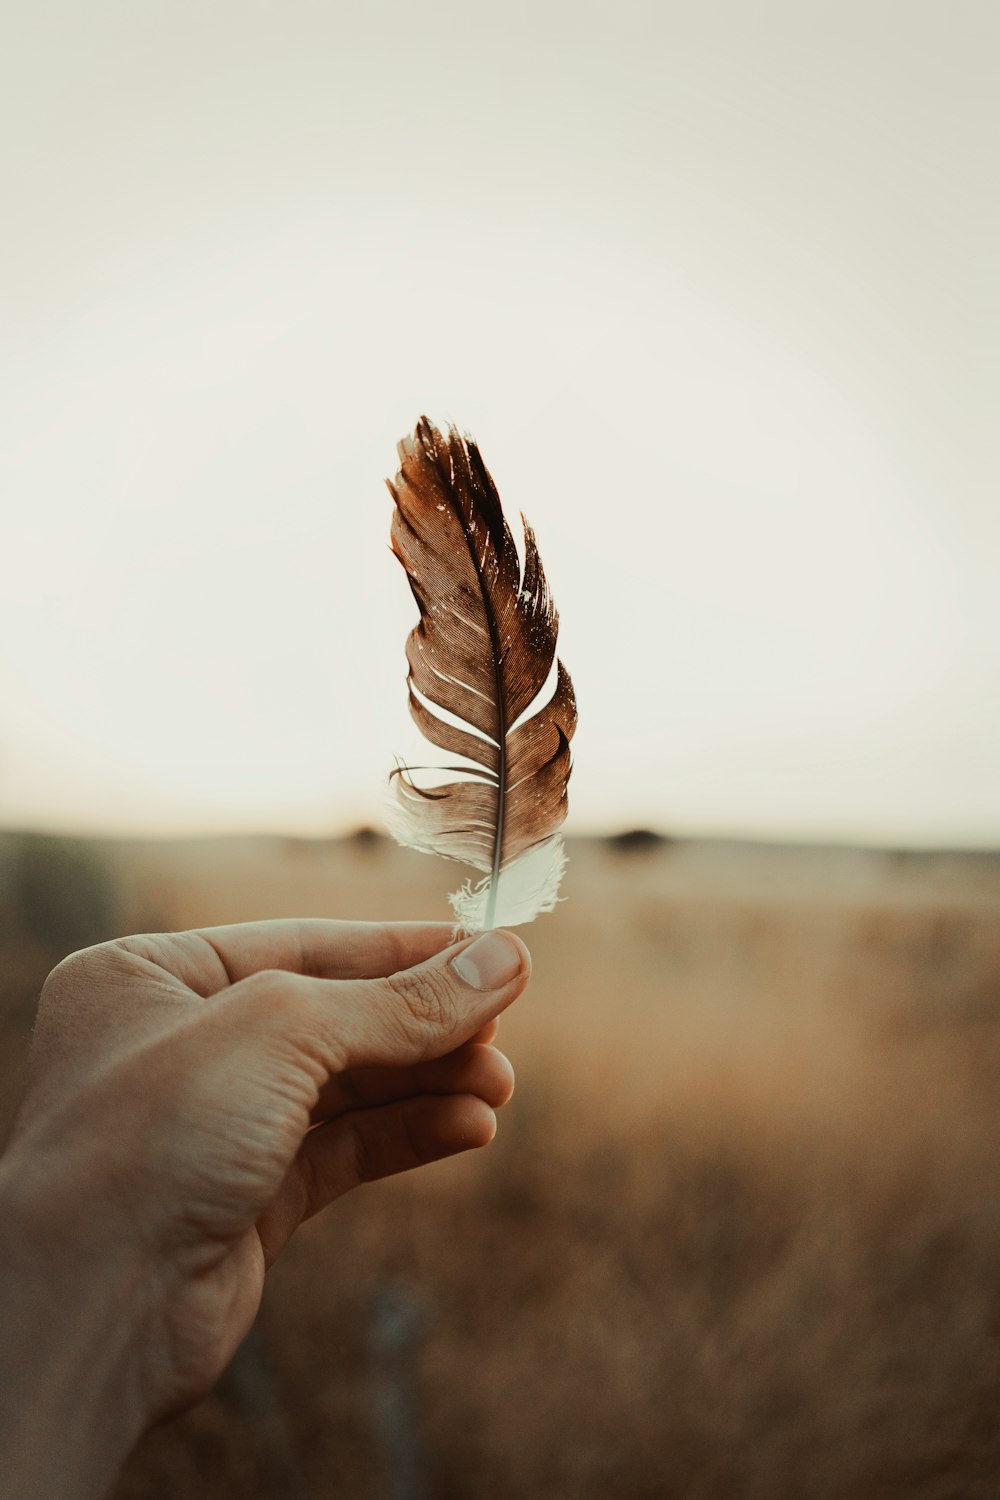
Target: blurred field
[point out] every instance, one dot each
(739, 1235)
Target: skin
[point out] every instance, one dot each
(192, 1098)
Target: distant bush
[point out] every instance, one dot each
(366, 837)
(637, 841)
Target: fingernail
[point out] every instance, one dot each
(488, 963)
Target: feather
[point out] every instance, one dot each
(479, 657)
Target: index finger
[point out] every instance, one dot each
(324, 948)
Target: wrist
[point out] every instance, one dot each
(70, 1320)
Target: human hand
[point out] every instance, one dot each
(193, 1097)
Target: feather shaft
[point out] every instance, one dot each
(489, 919)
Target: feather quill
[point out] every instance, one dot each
(479, 657)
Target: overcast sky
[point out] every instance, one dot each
(714, 285)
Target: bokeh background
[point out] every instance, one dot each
(714, 286)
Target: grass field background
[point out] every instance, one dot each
(739, 1234)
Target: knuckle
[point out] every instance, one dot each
(263, 1005)
(268, 992)
(424, 997)
(282, 1007)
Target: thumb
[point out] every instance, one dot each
(409, 1017)
(434, 1007)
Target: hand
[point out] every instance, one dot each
(192, 1098)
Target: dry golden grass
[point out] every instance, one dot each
(739, 1235)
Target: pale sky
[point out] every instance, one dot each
(714, 285)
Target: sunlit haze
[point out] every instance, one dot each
(714, 287)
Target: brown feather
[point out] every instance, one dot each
(482, 651)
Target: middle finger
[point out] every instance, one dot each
(474, 1068)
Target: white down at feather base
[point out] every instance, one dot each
(525, 887)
